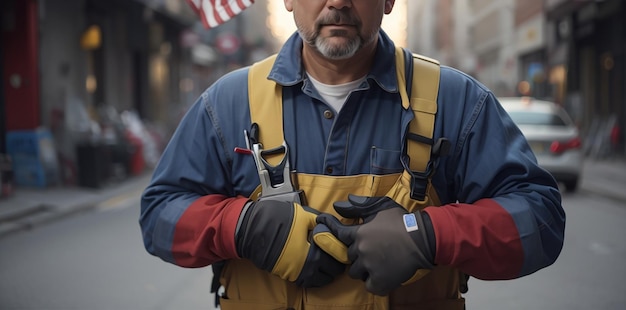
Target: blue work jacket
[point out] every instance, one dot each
(501, 215)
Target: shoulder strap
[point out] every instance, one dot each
(265, 97)
(423, 102)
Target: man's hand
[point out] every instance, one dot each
(390, 248)
(274, 235)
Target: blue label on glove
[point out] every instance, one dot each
(410, 223)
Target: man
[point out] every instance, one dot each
(489, 211)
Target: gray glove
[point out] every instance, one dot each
(391, 245)
(275, 236)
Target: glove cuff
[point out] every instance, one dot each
(424, 237)
(264, 231)
(242, 221)
(430, 232)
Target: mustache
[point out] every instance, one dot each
(338, 17)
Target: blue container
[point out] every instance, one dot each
(33, 156)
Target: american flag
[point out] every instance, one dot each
(216, 12)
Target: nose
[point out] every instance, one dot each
(339, 4)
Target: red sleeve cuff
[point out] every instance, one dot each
(205, 233)
(481, 239)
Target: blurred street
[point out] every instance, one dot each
(85, 252)
(94, 260)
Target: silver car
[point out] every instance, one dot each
(552, 135)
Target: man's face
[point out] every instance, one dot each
(338, 28)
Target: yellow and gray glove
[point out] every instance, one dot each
(274, 235)
(390, 248)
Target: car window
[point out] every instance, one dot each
(536, 118)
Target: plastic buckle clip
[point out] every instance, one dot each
(419, 182)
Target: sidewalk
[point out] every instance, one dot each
(606, 177)
(27, 208)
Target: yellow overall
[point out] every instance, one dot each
(248, 287)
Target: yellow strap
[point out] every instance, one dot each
(266, 104)
(423, 102)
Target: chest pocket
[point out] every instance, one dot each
(384, 161)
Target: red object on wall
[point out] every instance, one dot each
(615, 136)
(21, 65)
(137, 162)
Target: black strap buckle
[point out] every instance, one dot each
(419, 182)
(441, 148)
(419, 179)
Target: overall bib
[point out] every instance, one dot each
(247, 287)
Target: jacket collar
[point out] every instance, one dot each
(288, 69)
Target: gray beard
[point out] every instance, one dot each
(336, 52)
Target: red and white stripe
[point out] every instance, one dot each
(216, 12)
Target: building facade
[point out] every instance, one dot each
(588, 38)
(72, 67)
(568, 51)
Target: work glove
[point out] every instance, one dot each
(391, 246)
(274, 235)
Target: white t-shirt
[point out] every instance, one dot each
(335, 95)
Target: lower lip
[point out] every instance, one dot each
(346, 28)
(339, 26)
